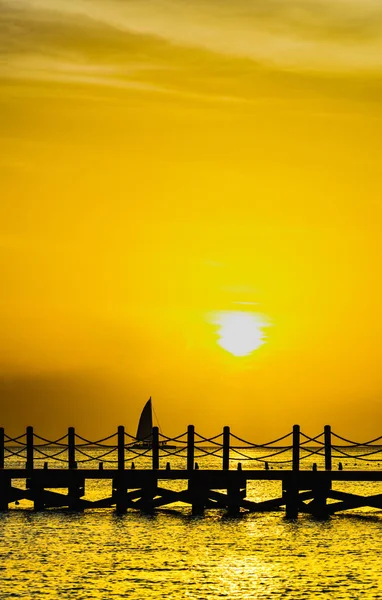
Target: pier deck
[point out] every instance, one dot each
(301, 490)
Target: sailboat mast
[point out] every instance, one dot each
(157, 420)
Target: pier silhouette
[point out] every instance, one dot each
(68, 462)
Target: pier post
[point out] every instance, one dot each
(236, 491)
(29, 464)
(2, 448)
(76, 490)
(290, 493)
(121, 448)
(318, 505)
(296, 448)
(291, 488)
(5, 489)
(328, 447)
(119, 488)
(155, 448)
(71, 449)
(76, 487)
(4, 483)
(226, 440)
(198, 493)
(190, 447)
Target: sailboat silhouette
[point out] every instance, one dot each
(145, 428)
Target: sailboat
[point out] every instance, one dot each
(145, 429)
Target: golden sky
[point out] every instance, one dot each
(168, 168)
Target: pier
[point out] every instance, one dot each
(53, 473)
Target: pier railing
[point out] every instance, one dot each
(293, 451)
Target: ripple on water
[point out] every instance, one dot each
(99, 555)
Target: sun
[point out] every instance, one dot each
(240, 333)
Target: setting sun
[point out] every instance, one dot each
(240, 333)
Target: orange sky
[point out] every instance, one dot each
(163, 164)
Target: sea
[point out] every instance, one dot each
(99, 554)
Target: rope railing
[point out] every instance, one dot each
(52, 457)
(131, 437)
(209, 439)
(315, 439)
(178, 438)
(16, 439)
(136, 452)
(12, 453)
(173, 452)
(117, 447)
(47, 442)
(309, 453)
(39, 451)
(98, 457)
(357, 443)
(87, 442)
(267, 456)
(359, 456)
(204, 452)
(271, 443)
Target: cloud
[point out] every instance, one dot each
(37, 68)
(318, 35)
(49, 69)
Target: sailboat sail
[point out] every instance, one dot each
(145, 425)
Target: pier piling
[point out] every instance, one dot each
(328, 447)
(155, 448)
(190, 447)
(71, 448)
(2, 449)
(296, 448)
(30, 449)
(226, 444)
(121, 447)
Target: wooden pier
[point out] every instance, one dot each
(310, 490)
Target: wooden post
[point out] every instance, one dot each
(5, 488)
(149, 491)
(318, 505)
(2, 448)
(121, 448)
(234, 496)
(198, 493)
(155, 448)
(328, 447)
(291, 488)
(119, 489)
(119, 493)
(71, 449)
(76, 489)
(296, 448)
(29, 464)
(290, 493)
(226, 436)
(190, 447)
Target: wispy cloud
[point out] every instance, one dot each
(50, 69)
(202, 50)
(328, 35)
(47, 69)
